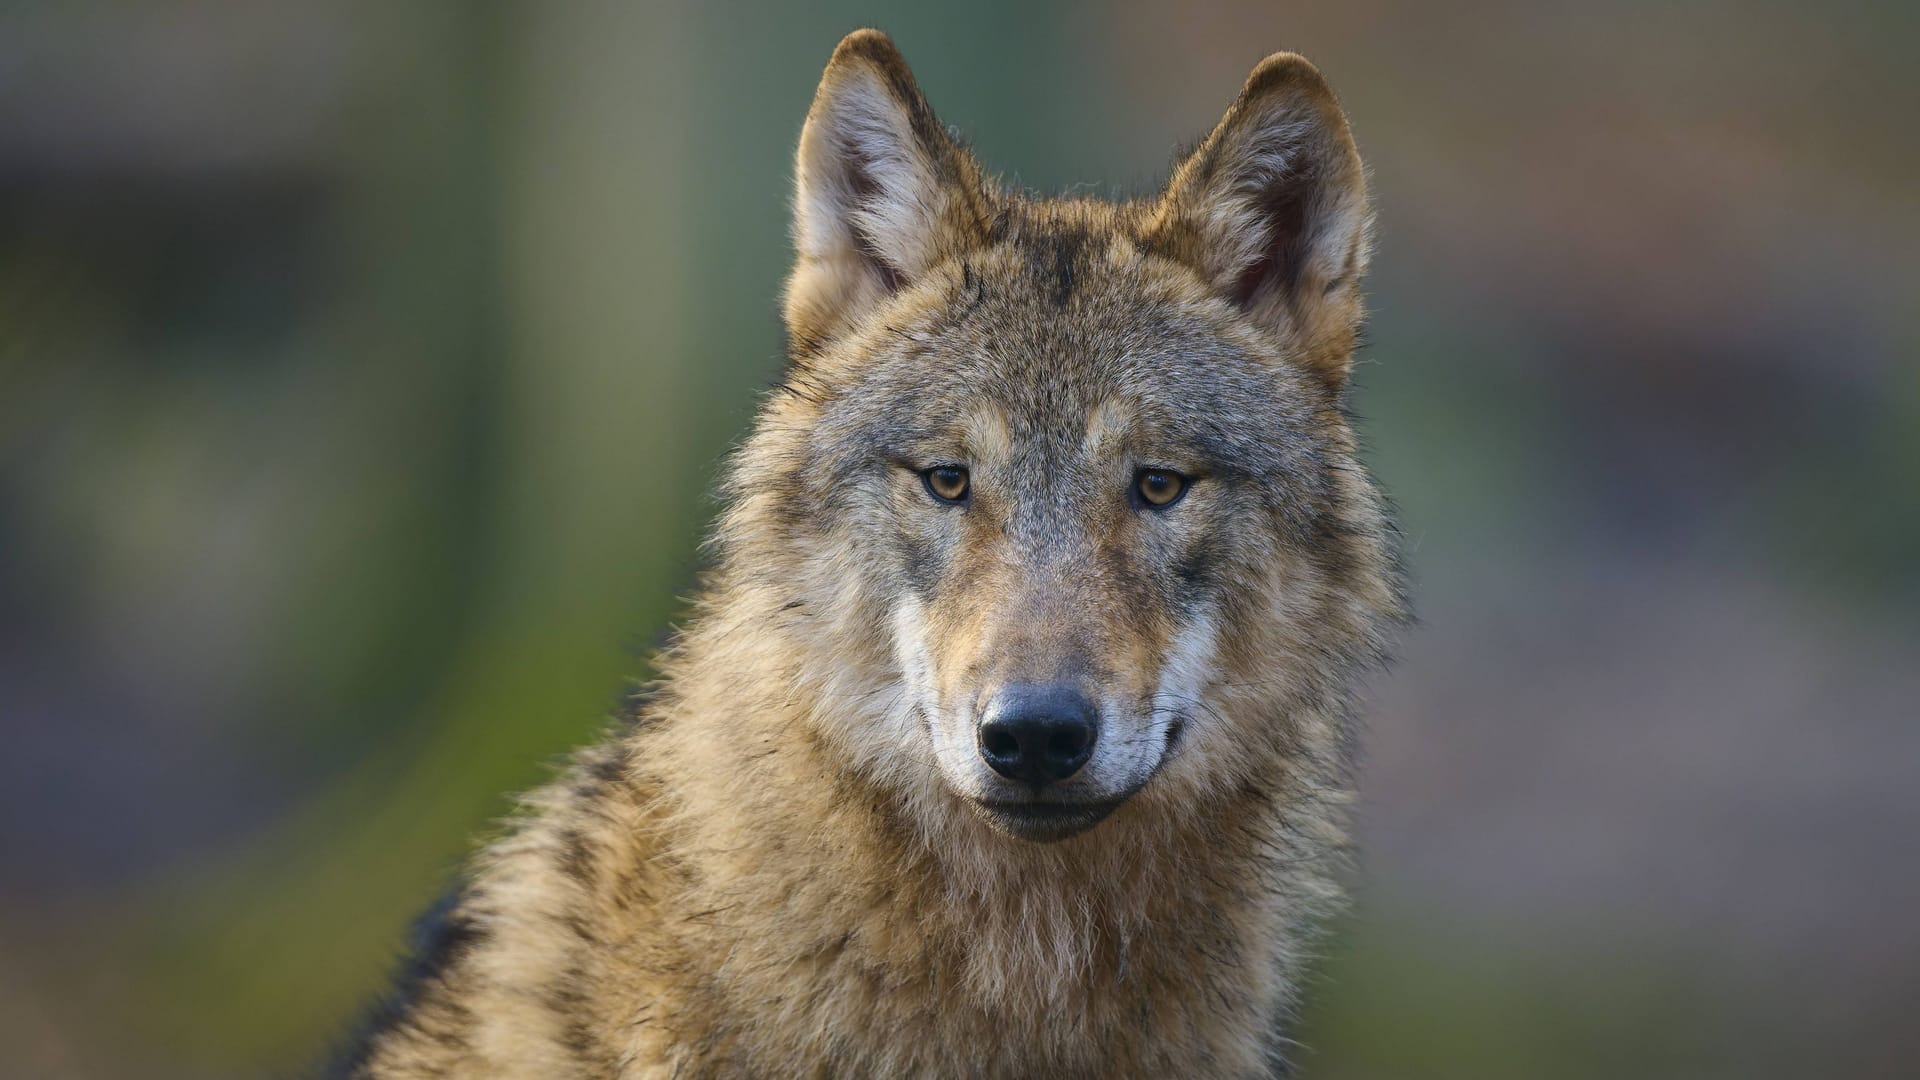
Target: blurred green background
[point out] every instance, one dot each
(364, 368)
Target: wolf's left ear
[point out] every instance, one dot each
(881, 194)
(1272, 209)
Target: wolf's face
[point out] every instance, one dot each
(1061, 494)
(1073, 474)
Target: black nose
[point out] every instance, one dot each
(1038, 734)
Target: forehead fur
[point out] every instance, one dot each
(1064, 320)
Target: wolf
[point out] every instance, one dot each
(1010, 733)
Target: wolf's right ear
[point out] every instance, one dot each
(1272, 209)
(881, 193)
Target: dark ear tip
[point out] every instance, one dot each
(1289, 75)
(869, 45)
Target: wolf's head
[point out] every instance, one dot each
(1059, 493)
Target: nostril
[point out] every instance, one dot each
(1067, 742)
(1068, 747)
(999, 743)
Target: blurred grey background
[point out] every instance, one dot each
(364, 367)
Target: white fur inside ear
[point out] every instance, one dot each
(1291, 210)
(867, 189)
(1239, 218)
(1276, 201)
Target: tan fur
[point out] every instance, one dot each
(776, 870)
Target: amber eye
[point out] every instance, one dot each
(1160, 487)
(948, 483)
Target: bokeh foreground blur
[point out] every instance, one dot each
(363, 368)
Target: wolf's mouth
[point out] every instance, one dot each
(1044, 822)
